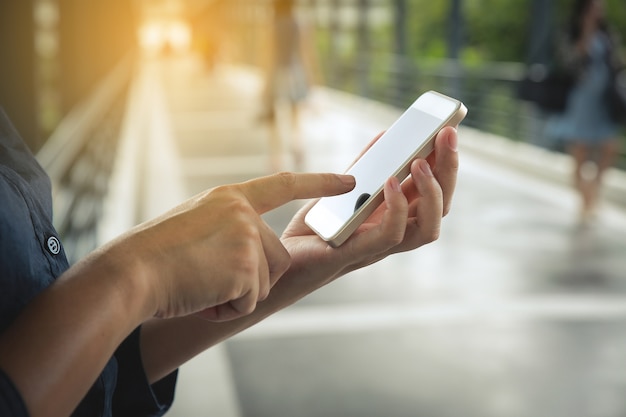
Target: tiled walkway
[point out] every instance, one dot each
(515, 312)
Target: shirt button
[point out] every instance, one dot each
(53, 245)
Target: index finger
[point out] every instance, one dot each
(270, 192)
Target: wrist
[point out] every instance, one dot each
(129, 282)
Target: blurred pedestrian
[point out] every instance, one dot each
(209, 33)
(290, 72)
(586, 126)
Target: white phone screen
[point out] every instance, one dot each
(409, 136)
(378, 164)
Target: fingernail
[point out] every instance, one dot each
(347, 179)
(453, 142)
(395, 184)
(425, 167)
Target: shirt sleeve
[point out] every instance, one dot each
(133, 394)
(11, 402)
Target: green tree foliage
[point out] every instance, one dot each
(494, 30)
(426, 28)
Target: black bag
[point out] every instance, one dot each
(547, 87)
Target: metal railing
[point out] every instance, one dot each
(489, 90)
(79, 157)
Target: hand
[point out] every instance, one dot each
(409, 217)
(213, 255)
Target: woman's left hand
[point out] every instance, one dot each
(409, 217)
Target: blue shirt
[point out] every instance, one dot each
(31, 258)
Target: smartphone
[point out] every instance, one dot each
(412, 136)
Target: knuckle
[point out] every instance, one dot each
(264, 292)
(397, 239)
(433, 235)
(246, 267)
(425, 235)
(393, 239)
(239, 212)
(451, 161)
(248, 307)
(220, 191)
(287, 179)
(223, 196)
(248, 234)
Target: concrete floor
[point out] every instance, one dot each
(516, 310)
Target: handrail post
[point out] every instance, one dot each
(455, 44)
(363, 48)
